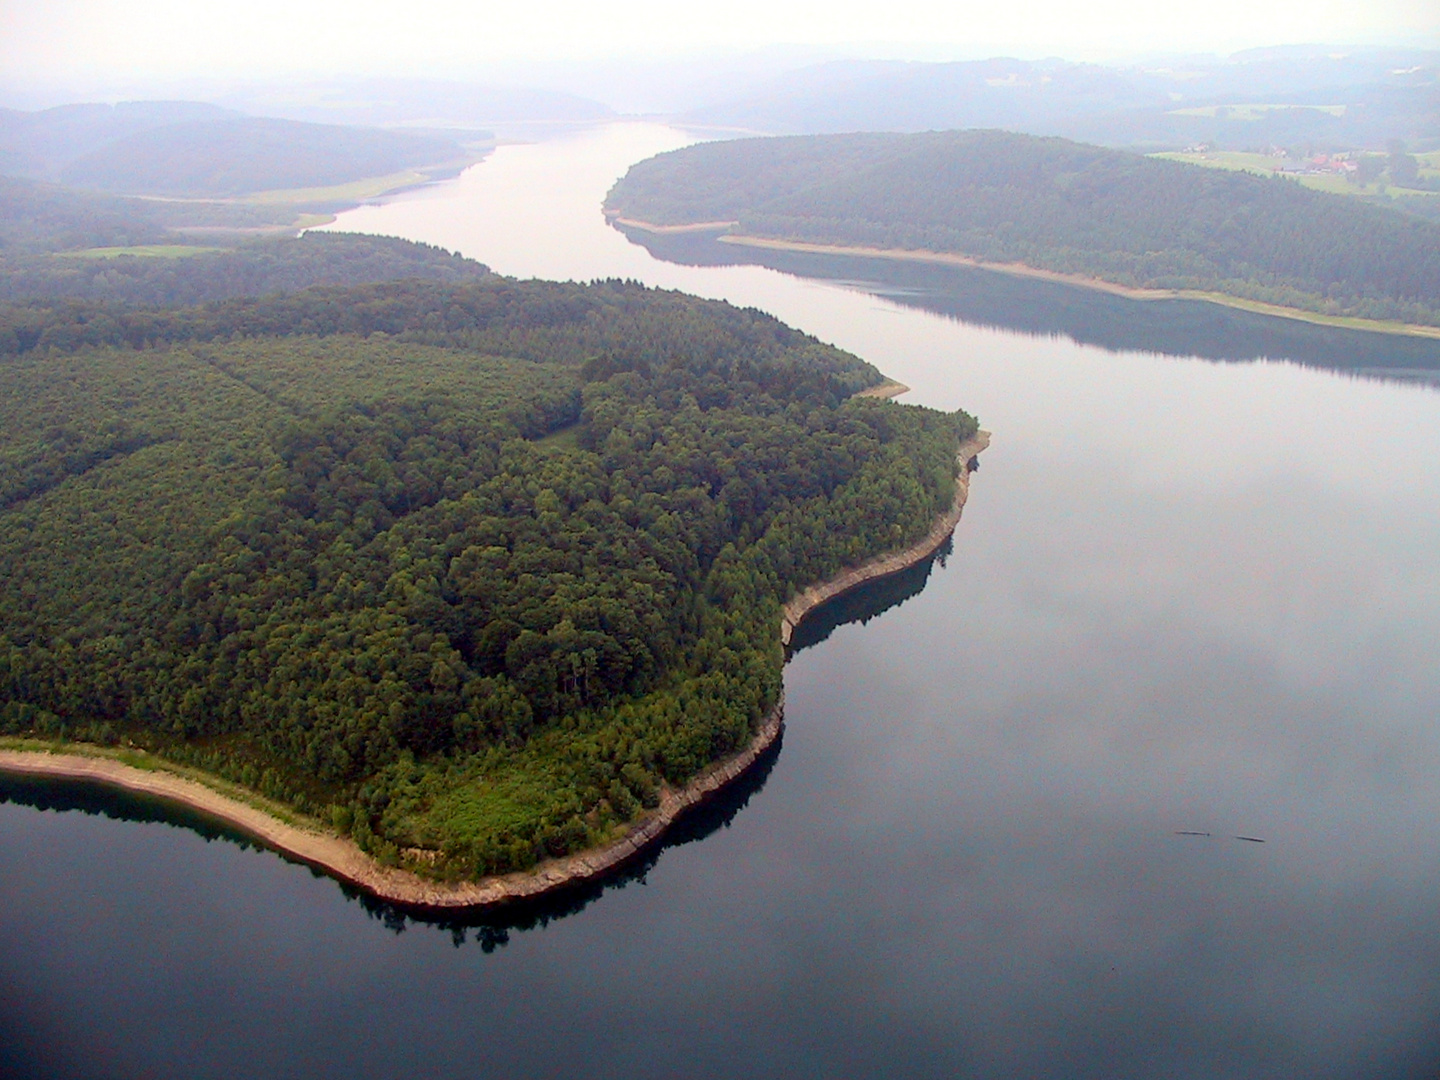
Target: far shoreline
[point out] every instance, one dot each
(1083, 281)
(1257, 307)
(307, 841)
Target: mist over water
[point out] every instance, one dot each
(1187, 596)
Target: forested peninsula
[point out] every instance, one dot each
(474, 571)
(1055, 206)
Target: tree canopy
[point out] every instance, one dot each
(1057, 205)
(472, 568)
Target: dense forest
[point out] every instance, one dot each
(255, 268)
(1056, 205)
(38, 217)
(470, 568)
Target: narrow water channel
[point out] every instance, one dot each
(1195, 598)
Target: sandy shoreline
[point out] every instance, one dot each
(1084, 281)
(1343, 322)
(341, 858)
(890, 388)
(696, 227)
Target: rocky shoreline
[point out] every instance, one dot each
(341, 858)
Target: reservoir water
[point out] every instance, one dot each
(1194, 599)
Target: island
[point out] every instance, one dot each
(1056, 209)
(457, 589)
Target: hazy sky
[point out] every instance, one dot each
(96, 40)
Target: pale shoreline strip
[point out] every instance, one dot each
(341, 858)
(1015, 269)
(890, 388)
(694, 227)
(1084, 281)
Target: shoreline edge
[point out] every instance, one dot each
(341, 858)
(1081, 281)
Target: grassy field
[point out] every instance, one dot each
(1270, 164)
(559, 442)
(144, 251)
(289, 209)
(355, 191)
(1347, 322)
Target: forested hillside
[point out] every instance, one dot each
(245, 154)
(39, 217)
(60, 244)
(1057, 205)
(467, 568)
(196, 150)
(256, 268)
(39, 144)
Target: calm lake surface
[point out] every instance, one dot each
(1188, 596)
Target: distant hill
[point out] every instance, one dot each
(896, 95)
(195, 150)
(40, 144)
(433, 103)
(1312, 99)
(244, 154)
(1055, 205)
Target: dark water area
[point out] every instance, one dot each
(1086, 316)
(1188, 602)
(63, 796)
(489, 928)
(867, 601)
